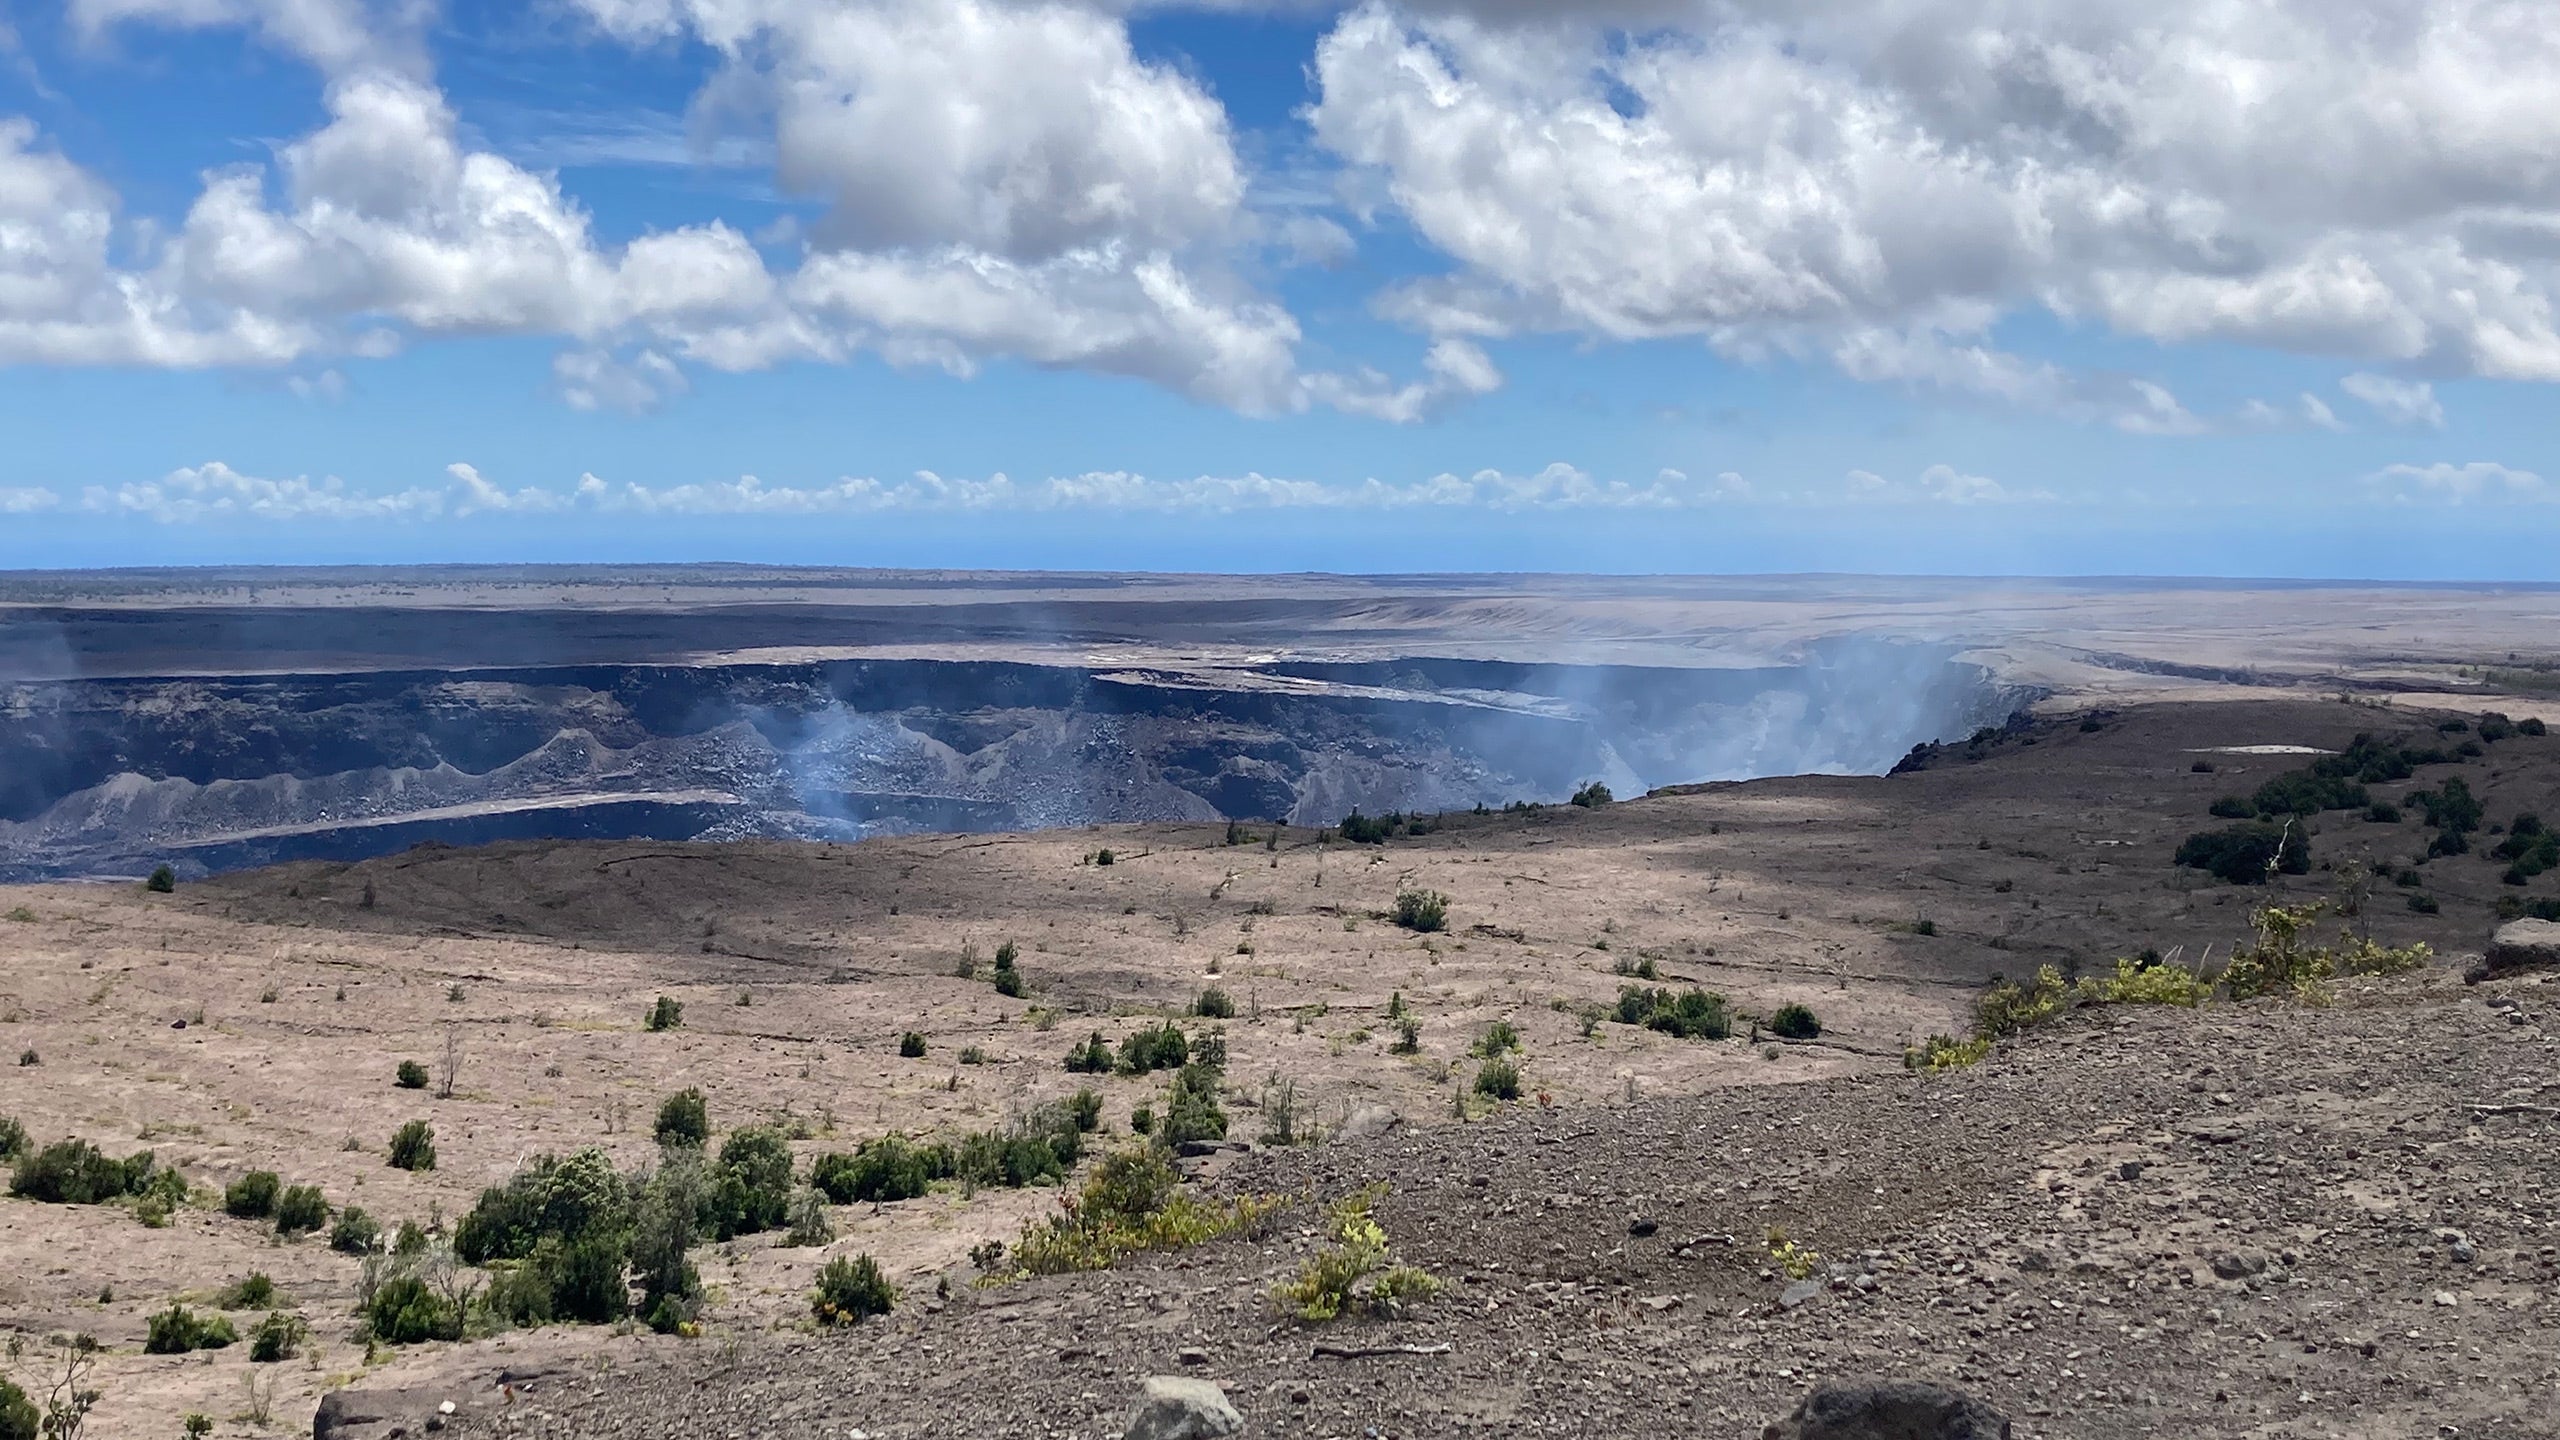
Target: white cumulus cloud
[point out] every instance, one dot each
(2401, 402)
(2477, 480)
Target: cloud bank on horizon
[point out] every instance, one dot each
(2314, 244)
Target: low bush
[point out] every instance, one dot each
(413, 1146)
(1422, 911)
(911, 1045)
(2424, 904)
(1498, 1079)
(1498, 1037)
(253, 1291)
(1192, 1110)
(13, 1138)
(1158, 1047)
(1355, 1273)
(1592, 796)
(683, 1119)
(405, 1310)
(1009, 984)
(881, 1171)
(666, 1014)
(564, 1198)
(356, 1232)
(18, 1418)
(851, 1291)
(2135, 983)
(1093, 1057)
(300, 1210)
(2247, 854)
(1132, 1202)
(163, 880)
(1941, 1053)
(178, 1330)
(252, 1196)
(410, 1075)
(1085, 1108)
(75, 1172)
(2008, 1008)
(277, 1337)
(1214, 1004)
(1691, 1014)
(1795, 1022)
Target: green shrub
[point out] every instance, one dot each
(2532, 725)
(163, 880)
(664, 1224)
(2424, 904)
(413, 1146)
(1359, 829)
(1422, 911)
(2451, 807)
(1941, 1053)
(13, 1138)
(1692, 1014)
(882, 1171)
(567, 1198)
(809, 1222)
(2138, 983)
(1104, 856)
(252, 1196)
(1006, 954)
(74, 1172)
(178, 1330)
(277, 1337)
(973, 1055)
(1214, 1004)
(1498, 1037)
(1085, 1108)
(1355, 1273)
(1142, 1120)
(1132, 1202)
(1408, 1037)
(911, 1045)
(405, 1310)
(666, 1014)
(356, 1233)
(583, 1275)
(851, 1291)
(1009, 984)
(1498, 1079)
(1795, 1022)
(1093, 1057)
(253, 1291)
(18, 1419)
(751, 1183)
(2246, 854)
(1158, 1047)
(410, 1075)
(2008, 1008)
(2233, 807)
(300, 1210)
(1191, 1110)
(1593, 796)
(684, 1119)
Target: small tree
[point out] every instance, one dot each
(851, 1291)
(449, 1068)
(911, 1045)
(163, 880)
(666, 1014)
(684, 1119)
(413, 1146)
(411, 1075)
(1592, 796)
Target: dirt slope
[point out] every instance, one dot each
(2273, 1220)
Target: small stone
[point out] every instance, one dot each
(1173, 1408)
(1797, 1293)
(2446, 1297)
(1192, 1355)
(1875, 1409)
(1641, 1227)
(2130, 1170)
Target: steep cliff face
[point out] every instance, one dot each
(109, 776)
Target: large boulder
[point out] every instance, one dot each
(1172, 1408)
(2519, 946)
(1889, 1410)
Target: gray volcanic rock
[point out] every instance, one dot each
(1889, 1410)
(2519, 946)
(1171, 1408)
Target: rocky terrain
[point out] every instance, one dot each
(1604, 1237)
(2267, 1220)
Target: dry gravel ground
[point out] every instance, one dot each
(2273, 1220)
(539, 960)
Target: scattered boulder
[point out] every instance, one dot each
(1172, 1408)
(2519, 946)
(1368, 1122)
(1889, 1410)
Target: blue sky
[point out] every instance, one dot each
(1915, 287)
